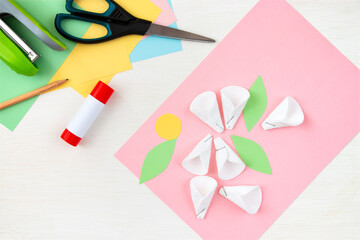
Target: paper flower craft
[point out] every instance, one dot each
(287, 114)
(233, 100)
(202, 191)
(168, 126)
(236, 101)
(206, 108)
(248, 198)
(252, 104)
(228, 163)
(197, 162)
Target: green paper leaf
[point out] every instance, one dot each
(157, 160)
(256, 105)
(252, 154)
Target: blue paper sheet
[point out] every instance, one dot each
(154, 46)
(170, 3)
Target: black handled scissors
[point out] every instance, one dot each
(118, 23)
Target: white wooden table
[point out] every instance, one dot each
(49, 190)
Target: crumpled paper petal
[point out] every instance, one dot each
(288, 113)
(205, 107)
(197, 162)
(234, 99)
(228, 163)
(202, 190)
(248, 198)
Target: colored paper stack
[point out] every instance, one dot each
(84, 64)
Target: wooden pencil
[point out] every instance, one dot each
(31, 94)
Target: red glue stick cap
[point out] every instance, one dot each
(102, 92)
(70, 138)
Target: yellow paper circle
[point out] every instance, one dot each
(168, 126)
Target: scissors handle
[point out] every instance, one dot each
(114, 11)
(117, 21)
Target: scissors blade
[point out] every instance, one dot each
(169, 32)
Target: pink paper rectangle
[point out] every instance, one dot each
(167, 15)
(294, 59)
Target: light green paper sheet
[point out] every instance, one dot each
(157, 160)
(13, 84)
(256, 105)
(252, 154)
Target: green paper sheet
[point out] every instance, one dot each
(252, 154)
(157, 160)
(256, 105)
(13, 84)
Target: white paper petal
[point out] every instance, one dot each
(197, 162)
(287, 114)
(248, 198)
(228, 163)
(205, 107)
(202, 190)
(234, 99)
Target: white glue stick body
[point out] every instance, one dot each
(87, 114)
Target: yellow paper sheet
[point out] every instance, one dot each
(85, 88)
(92, 62)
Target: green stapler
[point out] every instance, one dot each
(14, 51)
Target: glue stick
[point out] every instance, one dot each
(87, 114)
